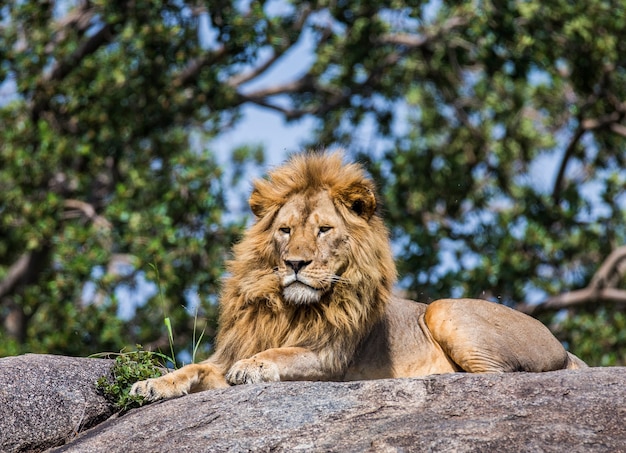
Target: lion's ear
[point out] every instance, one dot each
(257, 204)
(361, 200)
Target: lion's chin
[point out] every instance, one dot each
(300, 294)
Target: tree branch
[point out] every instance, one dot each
(78, 19)
(24, 271)
(618, 129)
(569, 152)
(89, 46)
(193, 68)
(62, 68)
(77, 208)
(601, 288)
(303, 84)
(611, 271)
(610, 120)
(238, 80)
(290, 114)
(306, 83)
(414, 41)
(15, 274)
(585, 296)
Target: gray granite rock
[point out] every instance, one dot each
(46, 400)
(563, 411)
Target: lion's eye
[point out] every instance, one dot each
(285, 230)
(325, 229)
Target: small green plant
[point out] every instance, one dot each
(129, 367)
(196, 343)
(166, 319)
(196, 339)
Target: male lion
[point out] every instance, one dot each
(308, 297)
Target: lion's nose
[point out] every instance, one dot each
(297, 265)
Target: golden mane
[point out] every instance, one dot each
(252, 301)
(310, 172)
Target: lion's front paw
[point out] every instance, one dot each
(160, 388)
(252, 371)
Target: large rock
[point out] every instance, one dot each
(572, 411)
(46, 400)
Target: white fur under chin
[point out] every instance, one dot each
(301, 294)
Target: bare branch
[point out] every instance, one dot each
(577, 298)
(567, 155)
(189, 74)
(611, 271)
(89, 46)
(238, 80)
(307, 83)
(602, 288)
(15, 274)
(610, 120)
(419, 40)
(24, 271)
(77, 208)
(79, 19)
(289, 114)
(597, 123)
(618, 129)
(303, 84)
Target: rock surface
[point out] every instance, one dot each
(46, 400)
(571, 411)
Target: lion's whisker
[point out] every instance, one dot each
(335, 279)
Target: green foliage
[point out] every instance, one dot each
(503, 184)
(129, 367)
(99, 178)
(597, 336)
(496, 131)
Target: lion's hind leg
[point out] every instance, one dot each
(188, 379)
(482, 336)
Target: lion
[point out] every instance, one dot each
(309, 297)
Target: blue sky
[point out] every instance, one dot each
(263, 126)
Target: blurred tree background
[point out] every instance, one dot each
(496, 131)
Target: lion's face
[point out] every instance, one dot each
(311, 242)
